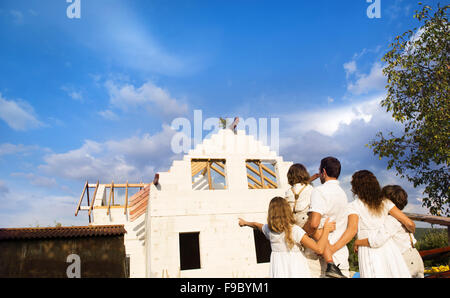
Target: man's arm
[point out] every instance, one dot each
(312, 225)
(347, 236)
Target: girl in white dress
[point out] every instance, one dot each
(372, 209)
(286, 259)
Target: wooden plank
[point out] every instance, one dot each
(251, 169)
(112, 190)
(106, 207)
(208, 168)
(126, 198)
(220, 164)
(269, 170)
(438, 220)
(217, 170)
(123, 185)
(194, 168)
(436, 251)
(261, 175)
(87, 195)
(253, 179)
(93, 199)
(81, 198)
(271, 182)
(197, 168)
(110, 194)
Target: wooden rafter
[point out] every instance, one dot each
(93, 199)
(208, 170)
(86, 186)
(270, 182)
(220, 164)
(126, 198)
(254, 179)
(123, 185)
(111, 193)
(252, 169)
(217, 170)
(204, 167)
(265, 168)
(197, 167)
(263, 173)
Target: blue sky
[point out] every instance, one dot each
(93, 98)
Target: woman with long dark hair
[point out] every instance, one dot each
(371, 209)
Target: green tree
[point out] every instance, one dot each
(418, 71)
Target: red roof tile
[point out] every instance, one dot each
(61, 232)
(138, 203)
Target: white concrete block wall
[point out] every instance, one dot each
(226, 250)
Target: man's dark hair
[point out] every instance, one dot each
(332, 166)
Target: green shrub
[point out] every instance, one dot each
(434, 238)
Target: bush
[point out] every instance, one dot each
(434, 238)
(352, 256)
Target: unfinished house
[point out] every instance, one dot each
(185, 223)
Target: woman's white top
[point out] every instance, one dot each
(386, 260)
(285, 262)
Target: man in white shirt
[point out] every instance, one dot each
(329, 201)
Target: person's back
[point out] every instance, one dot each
(299, 194)
(368, 221)
(372, 210)
(330, 200)
(299, 198)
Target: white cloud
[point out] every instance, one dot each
(308, 136)
(8, 149)
(17, 16)
(374, 81)
(37, 180)
(134, 158)
(328, 120)
(25, 208)
(149, 96)
(350, 68)
(19, 115)
(74, 94)
(109, 115)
